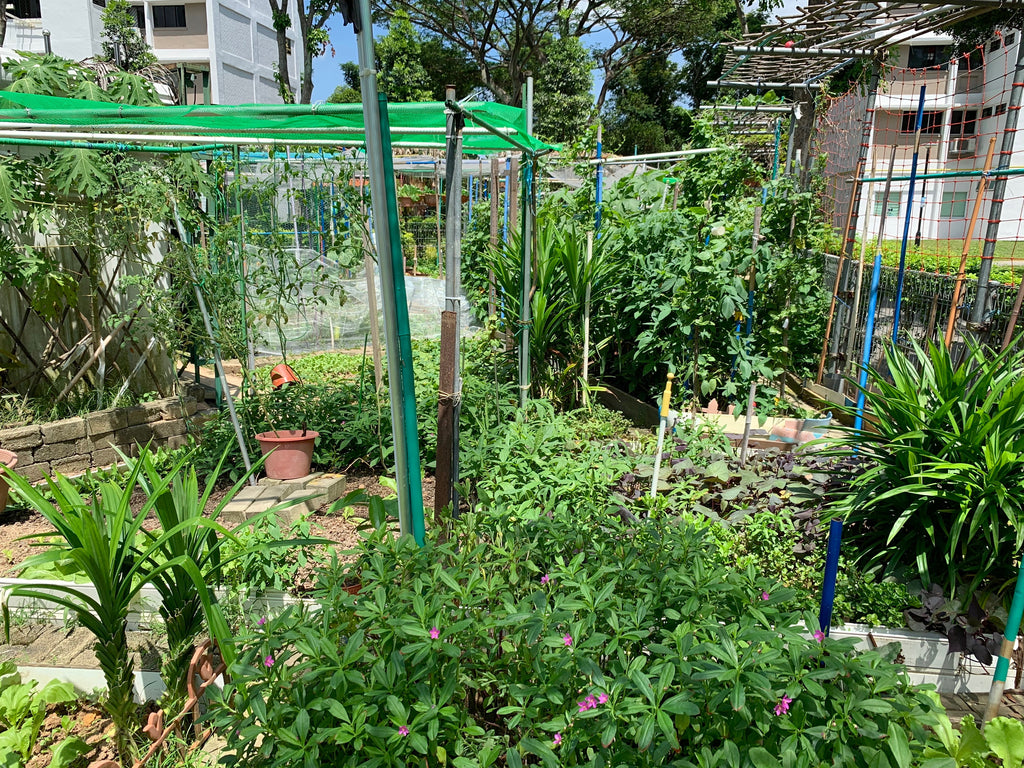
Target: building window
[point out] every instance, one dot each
(965, 122)
(140, 17)
(892, 207)
(1009, 39)
(24, 9)
(168, 16)
(931, 122)
(954, 205)
(986, 112)
(923, 56)
(1000, 109)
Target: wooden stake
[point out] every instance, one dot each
(1014, 314)
(839, 273)
(968, 236)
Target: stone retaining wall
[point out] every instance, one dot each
(71, 446)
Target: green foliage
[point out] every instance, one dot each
(1001, 743)
(123, 43)
(563, 639)
(22, 710)
(644, 115)
(938, 488)
(563, 103)
(98, 534)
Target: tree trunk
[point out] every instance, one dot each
(3, 21)
(279, 11)
(306, 82)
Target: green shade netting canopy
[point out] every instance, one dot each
(419, 125)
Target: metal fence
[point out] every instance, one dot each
(927, 298)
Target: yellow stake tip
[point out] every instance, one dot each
(670, 376)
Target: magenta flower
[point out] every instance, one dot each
(558, 739)
(262, 621)
(783, 706)
(567, 640)
(764, 595)
(403, 731)
(582, 705)
(434, 633)
(602, 698)
(544, 580)
(269, 661)
(819, 635)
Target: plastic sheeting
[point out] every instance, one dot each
(342, 319)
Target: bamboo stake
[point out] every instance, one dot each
(666, 399)
(586, 320)
(747, 424)
(851, 336)
(968, 236)
(839, 274)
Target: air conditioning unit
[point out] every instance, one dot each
(958, 147)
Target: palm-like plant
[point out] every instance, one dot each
(99, 535)
(940, 483)
(561, 274)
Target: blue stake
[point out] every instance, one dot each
(599, 191)
(869, 330)
(906, 221)
(828, 587)
(504, 227)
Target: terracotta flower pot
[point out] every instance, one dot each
(9, 460)
(289, 452)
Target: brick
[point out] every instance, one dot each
(21, 438)
(248, 493)
(105, 457)
(34, 472)
(234, 512)
(105, 422)
(141, 434)
(63, 431)
(164, 429)
(72, 465)
(55, 452)
(191, 406)
(170, 409)
(331, 485)
(176, 441)
(138, 414)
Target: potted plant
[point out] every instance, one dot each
(8, 461)
(288, 452)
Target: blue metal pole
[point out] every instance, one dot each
(828, 587)
(504, 226)
(599, 192)
(778, 138)
(869, 330)
(906, 221)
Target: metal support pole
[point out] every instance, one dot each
(599, 185)
(907, 219)
(398, 368)
(995, 210)
(526, 292)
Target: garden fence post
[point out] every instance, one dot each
(968, 236)
(495, 201)
(448, 405)
(995, 210)
(907, 219)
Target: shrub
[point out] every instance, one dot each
(938, 485)
(563, 640)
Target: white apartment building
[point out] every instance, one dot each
(223, 51)
(966, 100)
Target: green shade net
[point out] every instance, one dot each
(415, 125)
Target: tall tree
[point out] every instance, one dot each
(644, 114)
(563, 102)
(313, 40)
(506, 39)
(123, 43)
(410, 67)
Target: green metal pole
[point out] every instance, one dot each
(525, 313)
(408, 390)
(995, 694)
(106, 145)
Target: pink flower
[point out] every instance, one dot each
(602, 698)
(558, 739)
(783, 706)
(434, 633)
(567, 640)
(544, 580)
(262, 621)
(403, 731)
(819, 635)
(764, 595)
(269, 661)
